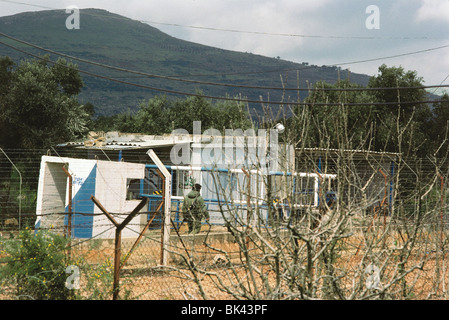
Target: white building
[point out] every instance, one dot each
(66, 186)
(235, 170)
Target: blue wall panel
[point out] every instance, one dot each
(83, 208)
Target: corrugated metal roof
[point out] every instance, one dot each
(118, 141)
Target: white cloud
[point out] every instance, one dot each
(409, 19)
(257, 23)
(433, 10)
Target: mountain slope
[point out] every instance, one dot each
(118, 41)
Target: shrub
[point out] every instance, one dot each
(36, 265)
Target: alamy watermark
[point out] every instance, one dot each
(373, 277)
(72, 281)
(73, 20)
(373, 20)
(236, 147)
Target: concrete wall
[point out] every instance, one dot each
(111, 190)
(106, 180)
(51, 198)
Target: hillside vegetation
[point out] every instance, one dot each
(118, 41)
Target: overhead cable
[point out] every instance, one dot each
(212, 83)
(279, 34)
(217, 97)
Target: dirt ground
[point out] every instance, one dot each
(143, 277)
(146, 280)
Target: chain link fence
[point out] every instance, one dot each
(384, 236)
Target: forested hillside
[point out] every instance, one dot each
(113, 40)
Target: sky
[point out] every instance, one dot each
(358, 35)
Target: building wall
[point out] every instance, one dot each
(111, 190)
(51, 197)
(106, 180)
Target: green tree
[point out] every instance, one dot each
(67, 76)
(161, 115)
(223, 114)
(6, 67)
(396, 96)
(439, 124)
(154, 116)
(334, 112)
(403, 104)
(125, 122)
(389, 78)
(39, 108)
(105, 123)
(230, 115)
(195, 108)
(402, 93)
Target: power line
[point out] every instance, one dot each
(213, 83)
(223, 98)
(280, 34)
(286, 34)
(257, 32)
(139, 72)
(396, 56)
(28, 4)
(208, 96)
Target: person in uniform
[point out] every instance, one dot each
(194, 209)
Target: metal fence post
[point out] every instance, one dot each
(118, 240)
(167, 206)
(20, 186)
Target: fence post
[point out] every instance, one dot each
(68, 232)
(167, 206)
(441, 211)
(20, 186)
(69, 221)
(118, 239)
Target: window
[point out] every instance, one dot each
(133, 189)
